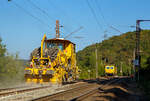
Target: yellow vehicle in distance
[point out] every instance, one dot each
(110, 70)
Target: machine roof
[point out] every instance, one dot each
(59, 39)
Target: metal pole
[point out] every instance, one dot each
(96, 63)
(137, 51)
(121, 69)
(134, 64)
(57, 28)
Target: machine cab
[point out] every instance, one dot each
(55, 43)
(62, 44)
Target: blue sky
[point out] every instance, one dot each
(22, 33)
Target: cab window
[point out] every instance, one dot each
(60, 46)
(50, 45)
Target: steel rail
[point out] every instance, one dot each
(21, 91)
(92, 92)
(90, 87)
(52, 96)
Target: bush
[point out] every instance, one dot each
(11, 68)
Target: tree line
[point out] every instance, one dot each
(116, 50)
(11, 68)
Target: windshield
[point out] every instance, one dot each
(50, 45)
(58, 45)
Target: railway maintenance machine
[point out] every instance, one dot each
(54, 61)
(110, 70)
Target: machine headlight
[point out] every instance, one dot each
(27, 71)
(50, 72)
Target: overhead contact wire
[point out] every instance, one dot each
(100, 11)
(43, 11)
(92, 10)
(30, 14)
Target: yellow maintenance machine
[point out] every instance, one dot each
(110, 70)
(54, 61)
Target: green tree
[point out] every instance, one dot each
(115, 50)
(11, 69)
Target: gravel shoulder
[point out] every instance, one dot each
(125, 90)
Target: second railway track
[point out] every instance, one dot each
(78, 93)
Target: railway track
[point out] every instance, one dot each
(2, 90)
(24, 86)
(74, 92)
(77, 94)
(9, 92)
(21, 91)
(8, 89)
(90, 93)
(27, 94)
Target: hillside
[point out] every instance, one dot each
(117, 50)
